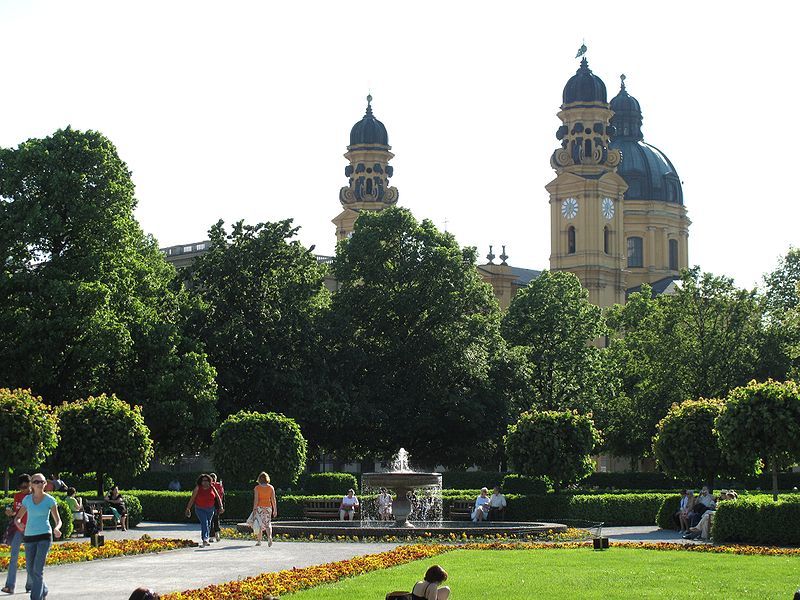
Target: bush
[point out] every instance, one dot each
(249, 442)
(63, 510)
(669, 507)
(328, 483)
(521, 484)
(467, 480)
(758, 520)
(552, 444)
(28, 430)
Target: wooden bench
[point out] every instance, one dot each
(317, 510)
(95, 508)
(461, 510)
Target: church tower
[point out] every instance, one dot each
(368, 172)
(587, 230)
(656, 221)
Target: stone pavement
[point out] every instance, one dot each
(116, 578)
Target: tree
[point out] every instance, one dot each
(762, 421)
(699, 342)
(103, 435)
(259, 295)
(781, 285)
(28, 431)
(249, 442)
(553, 323)
(412, 333)
(552, 444)
(780, 350)
(87, 302)
(687, 446)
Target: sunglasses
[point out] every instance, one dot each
(38, 482)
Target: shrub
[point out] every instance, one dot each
(67, 525)
(328, 483)
(670, 505)
(28, 430)
(467, 480)
(134, 507)
(249, 442)
(103, 435)
(758, 520)
(514, 483)
(552, 444)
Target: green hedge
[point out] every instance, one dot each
(521, 484)
(669, 507)
(467, 480)
(758, 520)
(659, 481)
(328, 483)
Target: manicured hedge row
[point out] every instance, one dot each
(659, 481)
(328, 483)
(758, 520)
(520, 484)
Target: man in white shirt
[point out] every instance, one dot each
(497, 505)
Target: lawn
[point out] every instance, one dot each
(583, 573)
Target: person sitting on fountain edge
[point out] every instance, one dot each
(481, 511)
(347, 509)
(384, 505)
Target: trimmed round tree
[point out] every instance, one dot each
(103, 435)
(28, 431)
(686, 445)
(552, 444)
(247, 443)
(762, 421)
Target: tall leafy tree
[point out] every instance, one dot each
(86, 302)
(412, 333)
(701, 341)
(258, 297)
(782, 285)
(553, 324)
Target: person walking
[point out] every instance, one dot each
(265, 508)
(14, 535)
(204, 499)
(38, 507)
(216, 483)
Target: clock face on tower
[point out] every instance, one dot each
(569, 208)
(608, 208)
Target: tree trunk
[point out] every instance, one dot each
(5, 480)
(100, 478)
(774, 480)
(710, 479)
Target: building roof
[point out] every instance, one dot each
(668, 285)
(369, 130)
(524, 276)
(584, 86)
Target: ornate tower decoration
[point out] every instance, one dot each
(586, 195)
(656, 222)
(368, 173)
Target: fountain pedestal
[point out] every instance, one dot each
(402, 483)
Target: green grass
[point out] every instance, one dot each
(583, 573)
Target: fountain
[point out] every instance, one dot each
(404, 482)
(416, 508)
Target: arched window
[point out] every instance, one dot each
(673, 255)
(571, 240)
(635, 253)
(606, 240)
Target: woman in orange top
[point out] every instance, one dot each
(264, 508)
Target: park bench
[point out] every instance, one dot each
(461, 510)
(95, 508)
(317, 510)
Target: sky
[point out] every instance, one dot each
(242, 110)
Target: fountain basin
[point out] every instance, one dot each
(433, 529)
(402, 483)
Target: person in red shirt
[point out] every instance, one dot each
(216, 483)
(204, 498)
(14, 535)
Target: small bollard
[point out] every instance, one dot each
(600, 543)
(98, 540)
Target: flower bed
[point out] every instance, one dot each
(71, 552)
(267, 585)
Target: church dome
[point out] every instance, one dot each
(369, 130)
(648, 172)
(584, 86)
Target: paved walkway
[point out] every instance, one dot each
(228, 560)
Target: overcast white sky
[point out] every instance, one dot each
(242, 110)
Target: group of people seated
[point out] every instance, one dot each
(696, 511)
(114, 503)
(489, 508)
